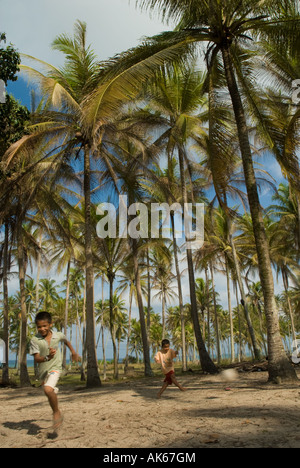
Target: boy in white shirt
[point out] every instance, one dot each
(45, 349)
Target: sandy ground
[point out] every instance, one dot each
(211, 414)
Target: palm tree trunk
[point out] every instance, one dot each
(149, 295)
(146, 352)
(230, 311)
(37, 287)
(286, 288)
(66, 313)
(129, 329)
(206, 362)
(24, 377)
(163, 312)
(93, 379)
(279, 365)
(83, 336)
(240, 355)
(298, 211)
(112, 325)
(208, 308)
(216, 314)
(182, 321)
(102, 327)
(5, 370)
(256, 350)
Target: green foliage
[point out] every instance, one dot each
(10, 61)
(13, 120)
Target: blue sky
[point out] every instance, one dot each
(113, 26)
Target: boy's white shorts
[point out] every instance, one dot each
(52, 379)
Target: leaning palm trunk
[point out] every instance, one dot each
(291, 313)
(37, 287)
(208, 308)
(163, 313)
(66, 313)
(206, 362)
(148, 370)
(93, 379)
(5, 370)
(279, 365)
(256, 350)
(182, 321)
(24, 377)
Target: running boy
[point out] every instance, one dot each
(45, 349)
(165, 359)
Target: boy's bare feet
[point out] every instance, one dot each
(57, 420)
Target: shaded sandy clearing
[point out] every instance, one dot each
(128, 415)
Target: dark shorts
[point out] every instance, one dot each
(168, 377)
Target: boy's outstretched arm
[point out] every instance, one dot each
(75, 356)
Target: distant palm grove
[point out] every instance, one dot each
(188, 116)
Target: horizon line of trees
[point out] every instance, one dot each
(221, 329)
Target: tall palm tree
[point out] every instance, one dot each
(136, 343)
(110, 254)
(77, 115)
(204, 295)
(126, 280)
(178, 95)
(286, 212)
(163, 279)
(6, 264)
(282, 115)
(128, 167)
(48, 293)
(57, 120)
(227, 27)
(165, 188)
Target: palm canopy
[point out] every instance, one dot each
(229, 13)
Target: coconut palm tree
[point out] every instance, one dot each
(165, 188)
(117, 319)
(162, 280)
(226, 28)
(126, 280)
(177, 95)
(6, 264)
(77, 117)
(286, 212)
(128, 167)
(110, 253)
(102, 318)
(136, 343)
(281, 63)
(48, 293)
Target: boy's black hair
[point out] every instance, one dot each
(164, 342)
(43, 316)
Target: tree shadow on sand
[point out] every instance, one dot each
(29, 425)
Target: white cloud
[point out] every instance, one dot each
(113, 25)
